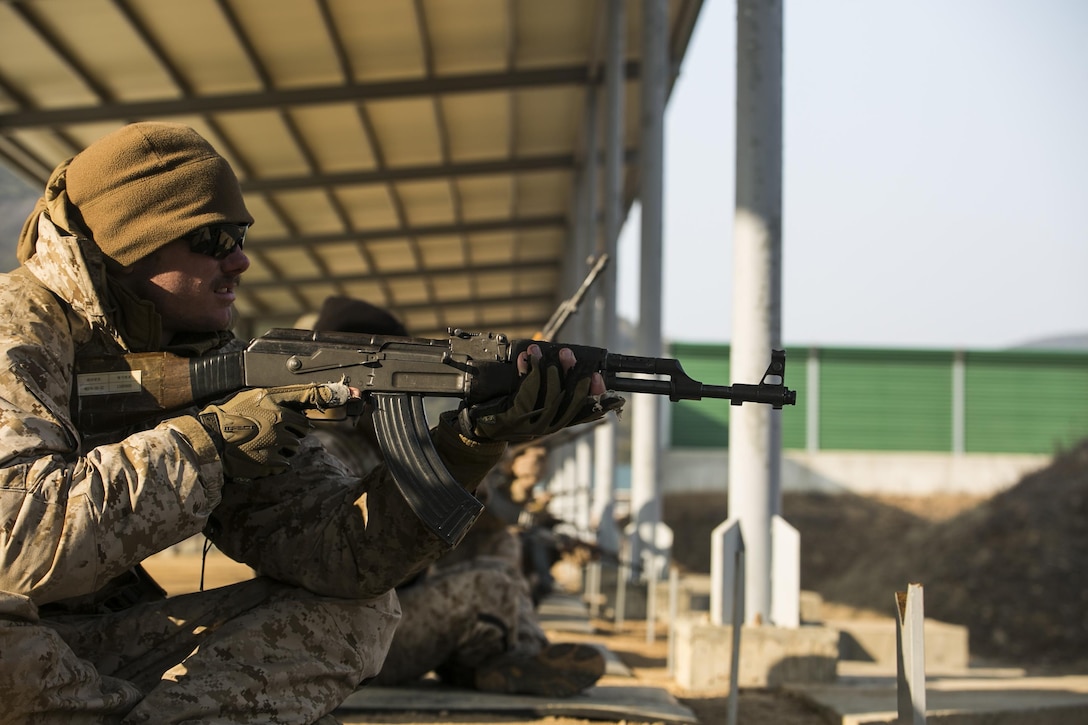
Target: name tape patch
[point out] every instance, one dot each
(124, 381)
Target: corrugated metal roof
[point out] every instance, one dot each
(418, 154)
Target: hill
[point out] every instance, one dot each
(1012, 569)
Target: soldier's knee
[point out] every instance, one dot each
(365, 628)
(44, 680)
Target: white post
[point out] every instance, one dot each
(785, 574)
(593, 588)
(726, 550)
(727, 598)
(645, 415)
(655, 562)
(605, 332)
(583, 481)
(812, 401)
(570, 486)
(911, 655)
(754, 430)
(959, 404)
(674, 601)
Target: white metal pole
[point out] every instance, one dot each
(604, 447)
(583, 481)
(645, 415)
(910, 656)
(812, 401)
(959, 403)
(589, 226)
(754, 438)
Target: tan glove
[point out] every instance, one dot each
(548, 399)
(258, 430)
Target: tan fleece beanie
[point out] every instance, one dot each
(147, 184)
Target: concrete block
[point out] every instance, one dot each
(812, 605)
(769, 656)
(635, 603)
(692, 595)
(873, 640)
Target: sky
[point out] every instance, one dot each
(935, 176)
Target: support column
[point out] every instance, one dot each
(583, 481)
(581, 329)
(607, 319)
(645, 414)
(812, 401)
(754, 430)
(588, 236)
(959, 403)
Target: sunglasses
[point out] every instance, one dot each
(217, 240)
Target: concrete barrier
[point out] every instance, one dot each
(769, 656)
(873, 640)
(909, 473)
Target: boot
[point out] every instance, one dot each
(558, 670)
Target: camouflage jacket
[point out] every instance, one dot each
(77, 513)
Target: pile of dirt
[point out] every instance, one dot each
(836, 529)
(1012, 568)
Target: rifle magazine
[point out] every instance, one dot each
(434, 495)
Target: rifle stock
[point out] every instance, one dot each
(396, 373)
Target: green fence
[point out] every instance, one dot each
(905, 400)
(704, 423)
(1025, 401)
(870, 400)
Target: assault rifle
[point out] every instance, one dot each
(395, 373)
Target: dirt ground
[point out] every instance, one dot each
(181, 573)
(1010, 568)
(647, 662)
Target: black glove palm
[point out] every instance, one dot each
(547, 401)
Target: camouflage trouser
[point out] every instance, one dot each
(503, 543)
(458, 618)
(256, 651)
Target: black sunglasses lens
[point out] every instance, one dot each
(218, 240)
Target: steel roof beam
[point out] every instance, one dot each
(433, 230)
(473, 301)
(514, 325)
(281, 99)
(385, 175)
(546, 265)
(497, 167)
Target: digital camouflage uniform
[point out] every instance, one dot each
(471, 606)
(459, 619)
(84, 636)
(470, 618)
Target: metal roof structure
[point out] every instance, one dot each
(419, 154)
